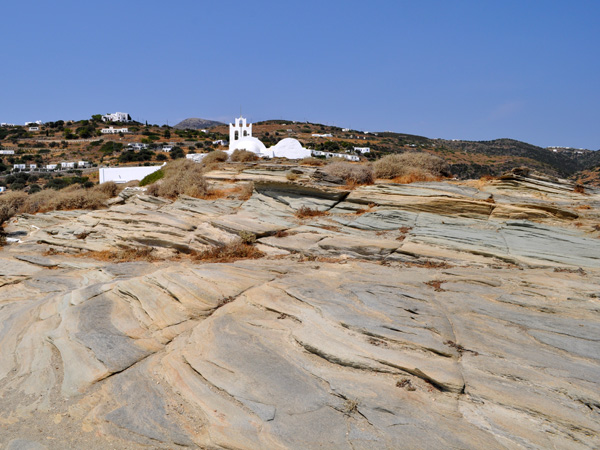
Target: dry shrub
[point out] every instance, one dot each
(11, 204)
(229, 252)
(304, 212)
(409, 167)
(182, 176)
(312, 161)
(351, 172)
(292, 176)
(246, 191)
(126, 254)
(243, 156)
(110, 189)
(214, 157)
(66, 199)
(579, 189)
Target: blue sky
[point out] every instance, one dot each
(458, 69)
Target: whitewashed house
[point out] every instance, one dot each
(34, 128)
(51, 166)
(167, 148)
(113, 130)
(7, 152)
(117, 117)
(67, 165)
(19, 166)
(32, 166)
(137, 146)
(362, 150)
(322, 135)
(82, 164)
(335, 155)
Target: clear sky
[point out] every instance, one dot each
(472, 69)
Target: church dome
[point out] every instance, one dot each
(289, 148)
(249, 143)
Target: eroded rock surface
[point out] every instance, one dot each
(419, 316)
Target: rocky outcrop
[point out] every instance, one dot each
(397, 317)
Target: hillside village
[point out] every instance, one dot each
(36, 152)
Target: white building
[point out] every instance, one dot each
(362, 150)
(239, 131)
(32, 166)
(19, 166)
(126, 174)
(37, 122)
(112, 130)
(51, 166)
(335, 155)
(82, 164)
(167, 148)
(345, 129)
(137, 146)
(67, 165)
(117, 117)
(322, 135)
(34, 128)
(7, 152)
(220, 142)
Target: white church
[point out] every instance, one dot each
(240, 138)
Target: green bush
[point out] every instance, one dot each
(152, 178)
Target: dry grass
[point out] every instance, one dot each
(228, 253)
(487, 178)
(10, 204)
(415, 177)
(125, 254)
(243, 156)
(410, 167)
(353, 173)
(304, 211)
(242, 192)
(292, 176)
(215, 156)
(436, 285)
(406, 384)
(312, 161)
(110, 189)
(69, 198)
(182, 176)
(350, 406)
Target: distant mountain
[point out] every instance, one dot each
(194, 123)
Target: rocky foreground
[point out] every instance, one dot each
(435, 315)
